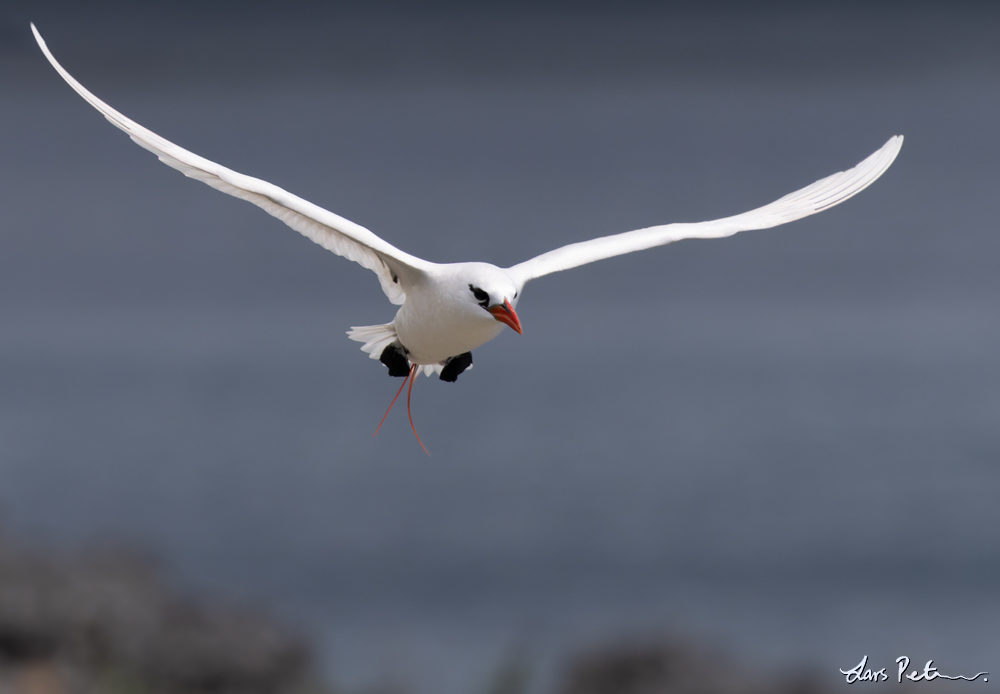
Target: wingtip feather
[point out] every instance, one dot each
(322, 226)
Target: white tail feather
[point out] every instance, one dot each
(377, 337)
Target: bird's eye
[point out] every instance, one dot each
(482, 297)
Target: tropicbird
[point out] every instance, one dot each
(447, 310)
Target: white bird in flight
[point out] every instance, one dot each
(448, 310)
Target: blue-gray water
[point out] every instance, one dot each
(785, 443)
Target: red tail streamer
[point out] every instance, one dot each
(411, 377)
(393, 403)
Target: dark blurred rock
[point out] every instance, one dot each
(106, 615)
(670, 668)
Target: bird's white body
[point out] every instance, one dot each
(449, 310)
(437, 321)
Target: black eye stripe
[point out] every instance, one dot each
(482, 297)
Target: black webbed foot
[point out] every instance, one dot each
(455, 366)
(394, 356)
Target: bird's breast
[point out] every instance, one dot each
(434, 332)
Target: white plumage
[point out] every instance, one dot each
(447, 310)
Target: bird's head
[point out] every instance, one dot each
(491, 290)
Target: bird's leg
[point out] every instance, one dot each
(413, 377)
(394, 356)
(455, 366)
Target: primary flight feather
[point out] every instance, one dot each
(447, 310)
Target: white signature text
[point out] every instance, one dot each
(862, 673)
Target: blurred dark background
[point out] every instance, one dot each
(784, 444)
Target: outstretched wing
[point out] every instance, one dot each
(395, 269)
(821, 195)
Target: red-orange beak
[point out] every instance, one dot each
(505, 314)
